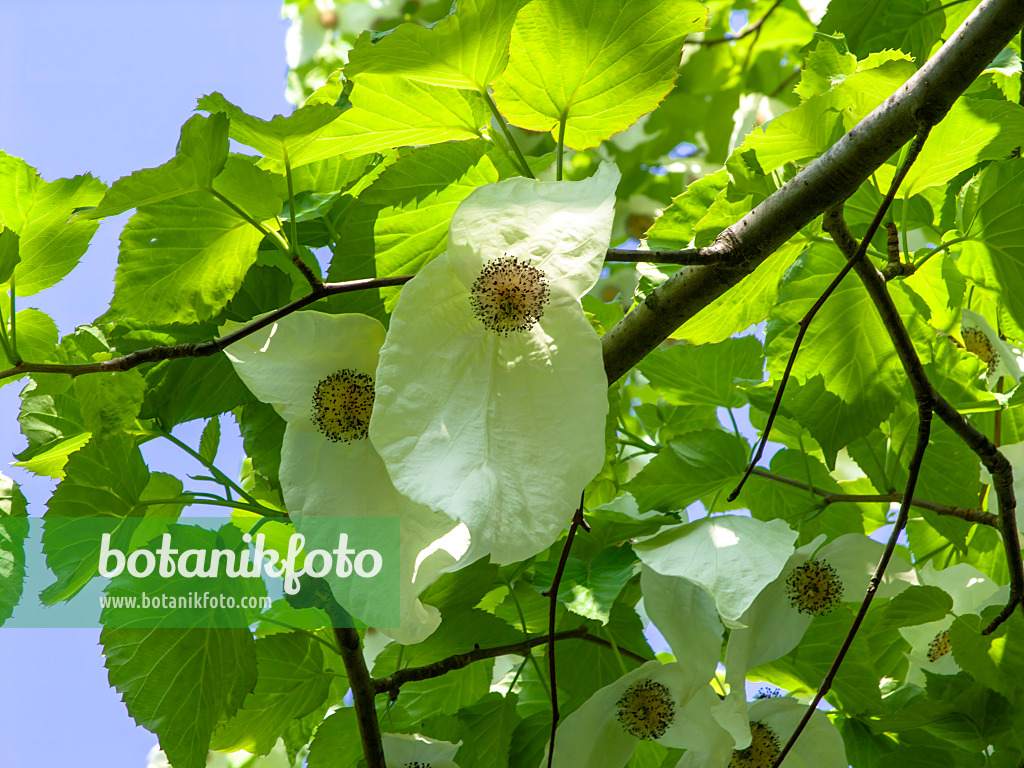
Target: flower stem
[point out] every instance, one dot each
(503, 125)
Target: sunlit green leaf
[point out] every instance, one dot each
(610, 62)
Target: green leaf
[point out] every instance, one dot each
(706, 374)
(9, 257)
(491, 721)
(262, 435)
(110, 402)
(995, 660)
(828, 64)
(182, 259)
(872, 25)
(744, 304)
(13, 532)
(448, 694)
(401, 221)
(336, 743)
(598, 64)
(104, 480)
(974, 130)
(259, 193)
(209, 441)
(49, 244)
(847, 372)
(689, 468)
(278, 137)
(389, 112)
(988, 218)
(917, 605)
(291, 682)
(36, 337)
(675, 228)
(180, 683)
(802, 133)
(192, 388)
(467, 49)
(201, 154)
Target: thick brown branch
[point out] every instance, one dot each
(894, 497)
(362, 695)
(206, 348)
(687, 256)
(924, 98)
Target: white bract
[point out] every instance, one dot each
(930, 648)
(317, 371)
(402, 750)
(980, 339)
(772, 723)
(491, 390)
(666, 703)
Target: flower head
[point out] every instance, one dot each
(980, 339)
(317, 371)
(647, 704)
(403, 750)
(491, 391)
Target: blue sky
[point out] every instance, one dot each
(103, 87)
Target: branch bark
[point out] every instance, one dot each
(924, 99)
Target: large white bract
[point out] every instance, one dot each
(314, 368)
(491, 391)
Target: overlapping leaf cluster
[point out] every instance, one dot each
(364, 179)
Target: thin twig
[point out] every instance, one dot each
(293, 247)
(913, 152)
(577, 521)
(206, 348)
(749, 29)
(894, 497)
(392, 683)
(923, 432)
(834, 224)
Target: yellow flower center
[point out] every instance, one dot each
(509, 295)
(646, 710)
(814, 588)
(342, 404)
(978, 344)
(763, 750)
(939, 646)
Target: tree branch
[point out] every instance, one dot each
(207, 348)
(924, 98)
(577, 522)
(749, 29)
(970, 515)
(392, 683)
(362, 695)
(688, 256)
